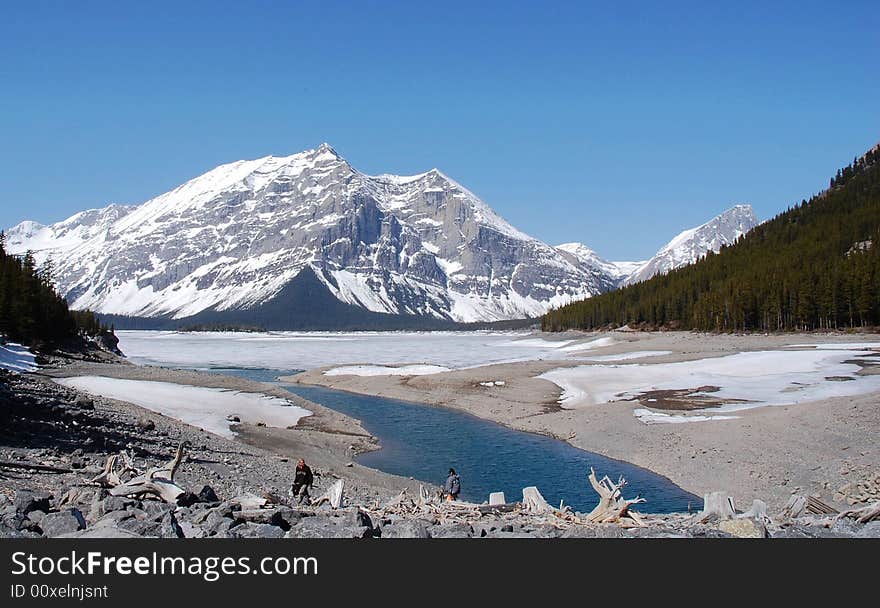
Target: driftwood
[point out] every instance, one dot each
(814, 505)
(864, 514)
(612, 506)
(157, 482)
(333, 495)
(36, 467)
(533, 502)
(795, 507)
(717, 504)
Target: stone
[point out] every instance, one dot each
(145, 424)
(405, 529)
(328, 527)
(870, 530)
(170, 528)
(451, 530)
(26, 501)
(255, 530)
(207, 494)
(63, 522)
(743, 528)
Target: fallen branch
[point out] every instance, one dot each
(612, 507)
(864, 514)
(158, 481)
(36, 467)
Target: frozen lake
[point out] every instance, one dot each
(308, 350)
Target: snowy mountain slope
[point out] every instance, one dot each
(690, 245)
(231, 239)
(614, 271)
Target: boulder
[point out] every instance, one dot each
(327, 527)
(870, 530)
(451, 530)
(26, 501)
(207, 494)
(255, 530)
(405, 529)
(743, 528)
(63, 522)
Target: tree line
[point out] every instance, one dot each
(815, 266)
(31, 311)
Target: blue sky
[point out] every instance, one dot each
(615, 124)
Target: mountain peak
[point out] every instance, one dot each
(692, 244)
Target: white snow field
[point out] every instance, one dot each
(205, 408)
(16, 358)
(309, 350)
(759, 378)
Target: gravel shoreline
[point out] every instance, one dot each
(49, 426)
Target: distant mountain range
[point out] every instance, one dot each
(265, 241)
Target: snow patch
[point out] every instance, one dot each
(205, 408)
(16, 358)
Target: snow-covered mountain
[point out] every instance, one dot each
(234, 238)
(692, 244)
(584, 256)
(684, 249)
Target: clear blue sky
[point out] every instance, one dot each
(614, 123)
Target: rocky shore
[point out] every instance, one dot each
(54, 440)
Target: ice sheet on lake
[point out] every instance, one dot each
(205, 408)
(15, 357)
(309, 350)
(385, 370)
(760, 378)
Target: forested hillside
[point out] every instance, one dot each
(814, 266)
(31, 312)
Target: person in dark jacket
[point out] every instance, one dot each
(453, 485)
(302, 481)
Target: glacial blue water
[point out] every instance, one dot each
(423, 442)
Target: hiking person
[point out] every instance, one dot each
(302, 481)
(453, 485)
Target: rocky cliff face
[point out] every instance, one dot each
(232, 238)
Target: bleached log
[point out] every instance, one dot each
(864, 514)
(250, 502)
(158, 481)
(795, 507)
(107, 477)
(533, 502)
(757, 511)
(497, 498)
(717, 504)
(333, 495)
(612, 507)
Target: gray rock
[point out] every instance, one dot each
(255, 530)
(26, 501)
(63, 522)
(405, 529)
(870, 530)
(327, 527)
(169, 527)
(451, 530)
(846, 526)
